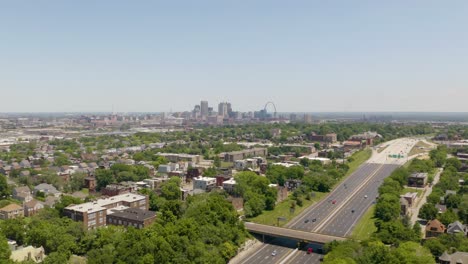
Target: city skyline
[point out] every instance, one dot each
(307, 57)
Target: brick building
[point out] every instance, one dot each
(135, 217)
(93, 214)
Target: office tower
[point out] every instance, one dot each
(204, 108)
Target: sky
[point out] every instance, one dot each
(305, 56)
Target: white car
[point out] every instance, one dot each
(365, 196)
(273, 253)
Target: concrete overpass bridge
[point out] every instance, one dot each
(290, 233)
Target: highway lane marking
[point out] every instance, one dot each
(258, 251)
(334, 212)
(288, 256)
(326, 198)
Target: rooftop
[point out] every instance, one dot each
(134, 214)
(101, 204)
(419, 175)
(11, 207)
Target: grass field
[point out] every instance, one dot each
(419, 148)
(408, 189)
(282, 210)
(358, 158)
(366, 226)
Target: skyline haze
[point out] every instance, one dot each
(364, 56)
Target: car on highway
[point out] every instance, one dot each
(334, 202)
(352, 211)
(365, 196)
(273, 253)
(306, 221)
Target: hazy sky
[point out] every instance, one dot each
(303, 55)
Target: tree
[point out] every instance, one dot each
(171, 189)
(435, 246)
(217, 162)
(4, 188)
(388, 207)
(77, 181)
(453, 162)
(411, 252)
(103, 178)
(439, 156)
(5, 251)
(65, 201)
(447, 217)
(428, 211)
(453, 201)
(254, 206)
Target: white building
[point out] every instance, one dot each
(229, 185)
(204, 183)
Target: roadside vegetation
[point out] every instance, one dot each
(387, 225)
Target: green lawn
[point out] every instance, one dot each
(358, 158)
(282, 210)
(419, 148)
(366, 226)
(225, 164)
(408, 189)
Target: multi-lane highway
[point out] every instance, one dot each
(338, 213)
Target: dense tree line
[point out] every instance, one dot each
(205, 229)
(258, 196)
(375, 252)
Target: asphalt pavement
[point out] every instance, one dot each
(332, 215)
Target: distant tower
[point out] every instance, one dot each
(223, 109)
(204, 108)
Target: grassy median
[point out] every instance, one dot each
(283, 210)
(366, 225)
(357, 159)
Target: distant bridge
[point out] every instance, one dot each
(290, 233)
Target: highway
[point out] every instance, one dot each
(333, 215)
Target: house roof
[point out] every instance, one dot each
(22, 189)
(435, 224)
(11, 207)
(32, 203)
(46, 188)
(442, 208)
(456, 227)
(457, 257)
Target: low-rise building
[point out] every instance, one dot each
(93, 214)
(454, 258)
(11, 211)
(243, 154)
(22, 194)
(47, 189)
(418, 179)
(403, 206)
(29, 253)
(434, 228)
(135, 217)
(115, 189)
(32, 207)
(457, 227)
(229, 185)
(204, 183)
(410, 197)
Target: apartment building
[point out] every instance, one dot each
(94, 214)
